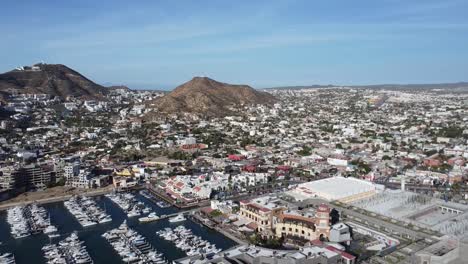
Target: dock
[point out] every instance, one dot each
(187, 212)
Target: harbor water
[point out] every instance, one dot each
(28, 250)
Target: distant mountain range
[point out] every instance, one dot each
(457, 86)
(52, 79)
(202, 95)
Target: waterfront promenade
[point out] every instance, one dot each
(51, 195)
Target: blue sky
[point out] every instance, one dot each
(153, 44)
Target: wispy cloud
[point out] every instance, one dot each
(149, 34)
(165, 26)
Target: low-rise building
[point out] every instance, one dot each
(340, 233)
(345, 190)
(253, 254)
(306, 226)
(263, 211)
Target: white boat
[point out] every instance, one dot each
(105, 219)
(50, 229)
(7, 258)
(176, 219)
(133, 213)
(54, 235)
(21, 235)
(151, 217)
(163, 204)
(88, 223)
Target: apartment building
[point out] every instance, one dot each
(38, 175)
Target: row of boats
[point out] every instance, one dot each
(7, 258)
(30, 219)
(132, 247)
(129, 204)
(86, 211)
(184, 239)
(68, 251)
(153, 217)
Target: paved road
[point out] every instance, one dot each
(376, 221)
(386, 224)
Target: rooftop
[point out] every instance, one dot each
(334, 188)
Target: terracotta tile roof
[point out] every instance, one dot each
(316, 242)
(207, 210)
(297, 217)
(252, 225)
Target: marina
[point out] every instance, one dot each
(68, 251)
(30, 220)
(85, 210)
(184, 239)
(99, 249)
(132, 247)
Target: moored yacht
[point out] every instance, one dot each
(176, 219)
(7, 258)
(151, 217)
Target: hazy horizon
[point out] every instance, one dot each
(166, 87)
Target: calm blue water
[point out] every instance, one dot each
(28, 250)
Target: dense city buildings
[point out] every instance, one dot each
(292, 175)
(234, 132)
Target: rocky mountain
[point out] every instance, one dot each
(202, 95)
(52, 79)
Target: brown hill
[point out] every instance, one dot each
(202, 95)
(52, 79)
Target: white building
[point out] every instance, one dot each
(337, 162)
(340, 233)
(251, 179)
(336, 188)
